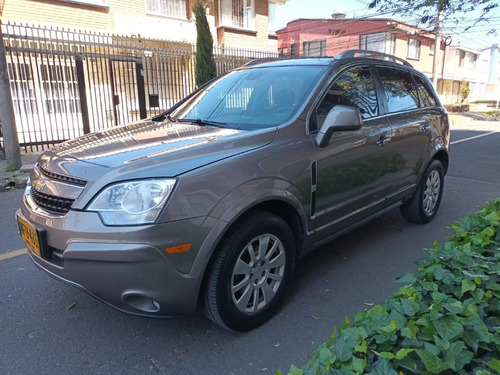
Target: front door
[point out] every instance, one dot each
(354, 171)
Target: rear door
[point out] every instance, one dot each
(412, 123)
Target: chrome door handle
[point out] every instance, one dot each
(425, 127)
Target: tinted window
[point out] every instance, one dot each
(399, 88)
(425, 93)
(354, 88)
(252, 98)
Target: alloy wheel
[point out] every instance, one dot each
(258, 273)
(431, 192)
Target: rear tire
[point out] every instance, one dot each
(424, 204)
(251, 272)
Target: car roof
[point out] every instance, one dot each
(277, 61)
(365, 56)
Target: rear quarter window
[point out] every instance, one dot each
(425, 92)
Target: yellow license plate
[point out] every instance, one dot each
(29, 235)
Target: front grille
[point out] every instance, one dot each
(50, 203)
(63, 178)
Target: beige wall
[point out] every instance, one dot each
(254, 39)
(57, 13)
(426, 60)
(125, 17)
(129, 17)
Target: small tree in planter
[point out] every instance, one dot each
(205, 63)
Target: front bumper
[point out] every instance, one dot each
(126, 267)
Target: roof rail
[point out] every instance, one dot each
(262, 60)
(372, 54)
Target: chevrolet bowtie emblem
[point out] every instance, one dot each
(38, 184)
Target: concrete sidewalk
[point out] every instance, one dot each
(16, 179)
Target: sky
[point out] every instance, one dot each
(474, 38)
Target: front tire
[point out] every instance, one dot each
(424, 204)
(251, 272)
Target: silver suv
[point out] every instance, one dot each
(211, 203)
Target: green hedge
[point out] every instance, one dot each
(443, 320)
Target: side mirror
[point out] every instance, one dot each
(340, 118)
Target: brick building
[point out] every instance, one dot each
(329, 37)
(457, 66)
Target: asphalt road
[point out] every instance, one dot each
(49, 327)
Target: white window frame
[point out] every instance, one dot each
(461, 58)
(239, 14)
(314, 48)
(472, 59)
(167, 8)
(414, 47)
(384, 42)
(272, 20)
(95, 3)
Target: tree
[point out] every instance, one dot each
(432, 13)
(205, 63)
(428, 10)
(7, 117)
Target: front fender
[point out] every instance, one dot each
(239, 202)
(253, 193)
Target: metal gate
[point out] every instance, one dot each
(68, 83)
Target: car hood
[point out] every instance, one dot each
(174, 147)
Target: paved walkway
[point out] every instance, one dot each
(460, 122)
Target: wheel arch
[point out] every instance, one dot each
(444, 158)
(283, 209)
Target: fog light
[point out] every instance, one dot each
(142, 303)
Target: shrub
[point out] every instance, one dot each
(205, 68)
(464, 90)
(443, 320)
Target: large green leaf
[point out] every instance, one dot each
(342, 350)
(431, 361)
(410, 308)
(448, 327)
(468, 285)
(382, 367)
(411, 330)
(494, 364)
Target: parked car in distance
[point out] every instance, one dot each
(211, 203)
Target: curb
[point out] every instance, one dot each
(16, 181)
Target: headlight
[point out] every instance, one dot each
(132, 202)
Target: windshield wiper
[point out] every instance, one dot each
(161, 117)
(202, 122)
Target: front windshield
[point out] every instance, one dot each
(253, 98)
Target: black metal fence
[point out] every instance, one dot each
(66, 83)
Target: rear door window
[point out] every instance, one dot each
(399, 90)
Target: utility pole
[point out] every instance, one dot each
(9, 130)
(437, 45)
